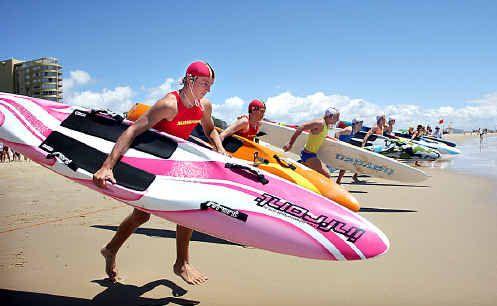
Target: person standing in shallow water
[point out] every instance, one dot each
(177, 113)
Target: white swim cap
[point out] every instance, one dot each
(379, 117)
(357, 120)
(330, 111)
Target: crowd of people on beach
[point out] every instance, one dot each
(424, 131)
(179, 112)
(8, 155)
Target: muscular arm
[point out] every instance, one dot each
(209, 128)
(346, 131)
(311, 126)
(165, 108)
(239, 124)
(414, 135)
(365, 139)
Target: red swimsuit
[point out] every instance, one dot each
(185, 121)
(251, 133)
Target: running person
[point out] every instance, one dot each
(346, 135)
(418, 133)
(318, 130)
(378, 129)
(389, 128)
(437, 133)
(247, 126)
(177, 113)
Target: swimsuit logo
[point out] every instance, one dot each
(301, 214)
(364, 164)
(187, 122)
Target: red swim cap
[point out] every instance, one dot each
(200, 69)
(256, 104)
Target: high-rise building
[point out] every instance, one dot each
(7, 75)
(40, 78)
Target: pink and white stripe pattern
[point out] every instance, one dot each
(280, 214)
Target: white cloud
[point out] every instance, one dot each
(155, 93)
(230, 109)
(286, 107)
(77, 78)
(119, 99)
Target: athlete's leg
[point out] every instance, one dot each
(316, 164)
(126, 228)
(340, 176)
(182, 265)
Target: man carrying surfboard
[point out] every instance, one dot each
(177, 113)
(318, 130)
(345, 135)
(389, 127)
(378, 129)
(247, 126)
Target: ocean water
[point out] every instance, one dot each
(475, 158)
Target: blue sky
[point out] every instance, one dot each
(430, 54)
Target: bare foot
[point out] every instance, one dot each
(189, 274)
(110, 263)
(358, 181)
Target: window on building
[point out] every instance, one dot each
(49, 86)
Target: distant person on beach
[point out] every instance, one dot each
(378, 129)
(177, 113)
(5, 153)
(389, 127)
(16, 156)
(318, 130)
(247, 126)
(419, 132)
(437, 133)
(410, 131)
(345, 135)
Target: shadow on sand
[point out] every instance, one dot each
(114, 294)
(153, 232)
(385, 210)
(357, 191)
(383, 184)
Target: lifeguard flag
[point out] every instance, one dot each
(441, 121)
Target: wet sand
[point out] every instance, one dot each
(442, 234)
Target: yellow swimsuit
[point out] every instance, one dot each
(314, 141)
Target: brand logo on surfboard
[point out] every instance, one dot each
(224, 210)
(364, 164)
(81, 114)
(301, 214)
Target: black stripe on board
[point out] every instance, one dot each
(110, 129)
(91, 159)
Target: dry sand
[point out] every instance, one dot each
(442, 233)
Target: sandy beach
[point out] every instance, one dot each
(442, 234)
